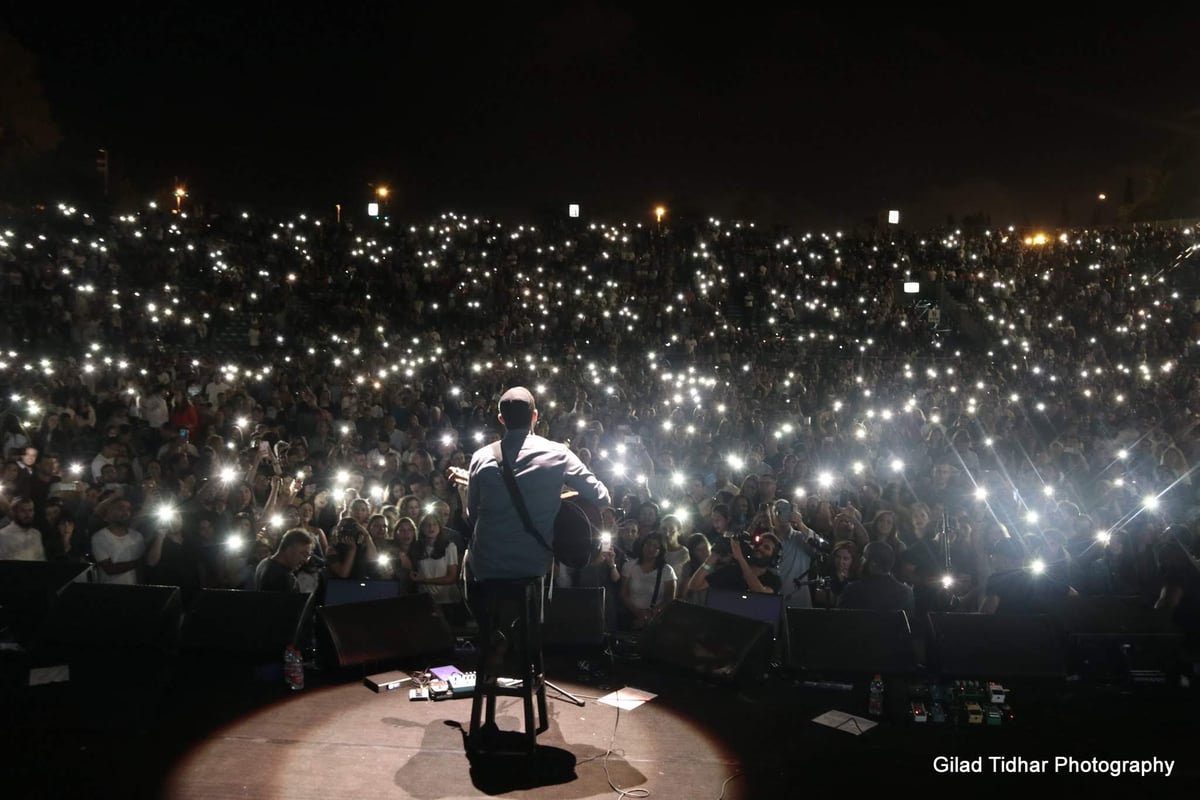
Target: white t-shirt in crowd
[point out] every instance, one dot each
(107, 546)
(21, 544)
(436, 568)
(641, 584)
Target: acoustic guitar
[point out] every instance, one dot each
(576, 528)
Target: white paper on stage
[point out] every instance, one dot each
(840, 720)
(627, 699)
(42, 675)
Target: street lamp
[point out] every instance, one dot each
(658, 213)
(180, 193)
(382, 193)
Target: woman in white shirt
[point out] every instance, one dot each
(648, 582)
(436, 569)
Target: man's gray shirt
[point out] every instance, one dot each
(501, 546)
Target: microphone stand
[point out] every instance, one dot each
(946, 565)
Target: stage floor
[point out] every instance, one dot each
(385, 745)
(241, 737)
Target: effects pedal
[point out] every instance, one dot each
(462, 684)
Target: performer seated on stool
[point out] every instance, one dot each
(502, 549)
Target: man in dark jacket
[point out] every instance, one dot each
(877, 590)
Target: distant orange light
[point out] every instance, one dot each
(382, 191)
(659, 212)
(1037, 240)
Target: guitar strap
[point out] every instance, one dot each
(510, 481)
(657, 586)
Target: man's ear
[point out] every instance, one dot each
(501, 418)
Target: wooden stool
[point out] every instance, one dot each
(509, 613)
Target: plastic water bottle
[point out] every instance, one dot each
(293, 668)
(875, 704)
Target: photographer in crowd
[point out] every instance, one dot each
(740, 563)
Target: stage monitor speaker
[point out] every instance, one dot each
(340, 591)
(846, 641)
(762, 606)
(29, 588)
(113, 616)
(1113, 617)
(996, 646)
(381, 631)
(1110, 636)
(714, 644)
(574, 616)
(235, 622)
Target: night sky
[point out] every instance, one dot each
(781, 114)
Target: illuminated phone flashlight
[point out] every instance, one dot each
(300, 475)
(824, 480)
(165, 513)
(228, 474)
(384, 559)
(1048, 490)
(618, 469)
(736, 463)
(678, 479)
(980, 493)
(1037, 566)
(447, 440)
(799, 491)
(897, 465)
(276, 520)
(1103, 537)
(234, 543)
(429, 509)
(1122, 454)
(378, 492)
(947, 581)
(343, 477)
(242, 422)
(857, 468)
(1150, 502)
(606, 539)
(76, 469)
(1031, 516)
(345, 430)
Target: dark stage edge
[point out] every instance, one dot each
(233, 736)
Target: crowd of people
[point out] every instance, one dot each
(772, 411)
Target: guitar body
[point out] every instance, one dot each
(576, 532)
(576, 528)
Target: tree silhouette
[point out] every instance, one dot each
(27, 130)
(1171, 193)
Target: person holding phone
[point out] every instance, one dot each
(797, 554)
(184, 414)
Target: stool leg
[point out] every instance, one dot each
(527, 662)
(543, 717)
(538, 668)
(485, 681)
